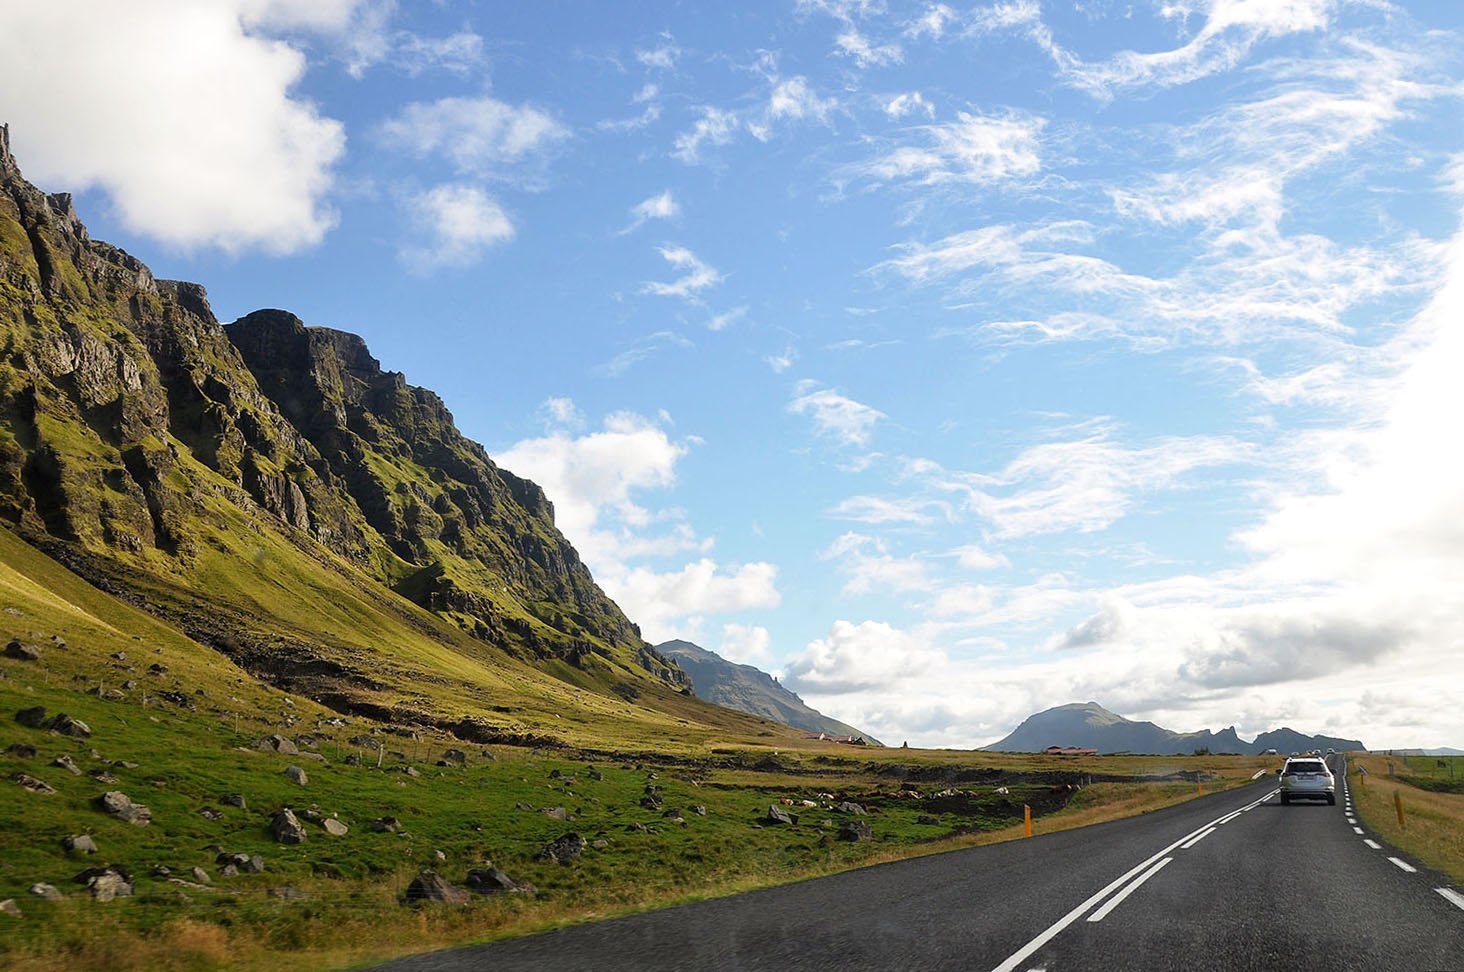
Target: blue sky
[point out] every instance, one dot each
(950, 360)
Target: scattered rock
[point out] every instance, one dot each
(600, 844)
(287, 893)
(201, 876)
(637, 828)
(651, 802)
(386, 825)
(9, 907)
(157, 668)
(699, 810)
(555, 813)
(430, 886)
(277, 744)
(211, 813)
(21, 651)
(123, 764)
(490, 880)
(777, 815)
(848, 807)
(334, 827)
(34, 717)
(228, 871)
(855, 830)
(297, 775)
(563, 849)
(106, 883)
(926, 818)
(523, 806)
(351, 760)
(47, 891)
(285, 827)
(456, 756)
(596, 775)
(234, 800)
(248, 863)
(22, 750)
(68, 726)
(33, 784)
(161, 871)
(439, 857)
(102, 776)
(79, 844)
(120, 805)
(411, 771)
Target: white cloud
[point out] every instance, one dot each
(671, 604)
(222, 152)
(641, 349)
(726, 319)
(877, 510)
(781, 361)
(933, 22)
(909, 103)
(699, 275)
(480, 136)
(869, 566)
(461, 222)
(745, 644)
(663, 57)
(660, 206)
(714, 127)
(973, 557)
(854, 657)
(852, 44)
(834, 415)
(973, 149)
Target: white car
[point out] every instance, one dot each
(1307, 778)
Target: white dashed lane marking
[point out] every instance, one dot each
(1404, 865)
(1117, 899)
(1373, 844)
(1358, 830)
(1452, 896)
(1196, 839)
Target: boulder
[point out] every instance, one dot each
(926, 818)
(120, 805)
(698, 809)
(234, 800)
(201, 876)
(9, 907)
(247, 863)
(555, 813)
(277, 744)
(297, 775)
(334, 827)
(386, 825)
(34, 717)
(33, 784)
(430, 886)
(563, 849)
(68, 726)
(21, 651)
(285, 827)
(106, 883)
(849, 807)
(490, 880)
(22, 750)
(79, 844)
(49, 892)
(777, 815)
(456, 756)
(855, 830)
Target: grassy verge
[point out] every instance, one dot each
(1433, 831)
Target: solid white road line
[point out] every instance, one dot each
(1117, 899)
(1193, 841)
(1452, 895)
(1404, 865)
(1373, 844)
(1228, 817)
(1052, 931)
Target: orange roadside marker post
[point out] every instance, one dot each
(1398, 806)
(1027, 818)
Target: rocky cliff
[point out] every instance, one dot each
(153, 449)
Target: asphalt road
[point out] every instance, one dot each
(1226, 883)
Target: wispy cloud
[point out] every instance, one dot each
(698, 275)
(642, 349)
(480, 136)
(972, 149)
(663, 205)
(848, 422)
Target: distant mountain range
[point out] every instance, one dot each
(748, 689)
(1089, 725)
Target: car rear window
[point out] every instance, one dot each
(1311, 767)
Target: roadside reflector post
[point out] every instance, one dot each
(1398, 806)
(1027, 818)
(1199, 789)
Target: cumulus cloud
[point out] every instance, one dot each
(595, 481)
(859, 656)
(225, 154)
(745, 644)
(837, 416)
(460, 222)
(869, 566)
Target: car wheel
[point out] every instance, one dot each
(1285, 799)
(1331, 800)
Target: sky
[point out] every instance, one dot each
(950, 361)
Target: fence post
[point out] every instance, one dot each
(1398, 806)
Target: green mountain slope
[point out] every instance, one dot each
(276, 495)
(747, 689)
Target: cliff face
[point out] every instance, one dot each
(139, 439)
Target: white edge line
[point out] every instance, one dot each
(1052, 931)
(1117, 899)
(1404, 865)
(1193, 841)
(1373, 844)
(1452, 895)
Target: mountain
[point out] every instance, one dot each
(1089, 725)
(746, 689)
(269, 489)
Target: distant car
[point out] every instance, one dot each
(1270, 752)
(1307, 778)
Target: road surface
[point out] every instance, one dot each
(1225, 883)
